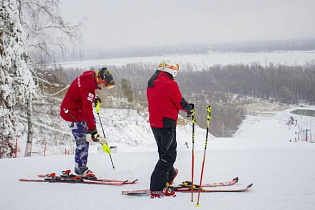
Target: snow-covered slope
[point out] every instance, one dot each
(260, 152)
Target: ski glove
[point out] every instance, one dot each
(94, 135)
(100, 140)
(96, 100)
(189, 113)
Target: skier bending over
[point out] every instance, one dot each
(76, 108)
(165, 101)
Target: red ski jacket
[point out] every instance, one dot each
(165, 100)
(78, 100)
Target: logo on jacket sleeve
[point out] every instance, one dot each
(90, 97)
(79, 82)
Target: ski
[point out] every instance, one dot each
(146, 192)
(97, 179)
(75, 180)
(219, 184)
(67, 175)
(214, 190)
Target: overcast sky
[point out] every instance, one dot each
(139, 23)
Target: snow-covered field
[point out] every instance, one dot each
(210, 59)
(283, 172)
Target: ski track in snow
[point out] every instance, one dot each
(260, 152)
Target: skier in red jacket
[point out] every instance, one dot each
(76, 108)
(165, 100)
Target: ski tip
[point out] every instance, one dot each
(250, 185)
(235, 179)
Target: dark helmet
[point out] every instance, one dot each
(105, 75)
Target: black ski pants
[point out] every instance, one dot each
(164, 170)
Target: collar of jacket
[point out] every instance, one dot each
(167, 74)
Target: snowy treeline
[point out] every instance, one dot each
(284, 83)
(226, 87)
(16, 82)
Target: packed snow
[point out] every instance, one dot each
(263, 151)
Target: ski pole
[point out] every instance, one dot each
(193, 154)
(97, 108)
(67, 112)
(204, 155)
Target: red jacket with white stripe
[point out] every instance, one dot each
(79, 99)
(165, 100)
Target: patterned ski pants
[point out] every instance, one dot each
(79, 131)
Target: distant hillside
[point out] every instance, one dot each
(197, 48)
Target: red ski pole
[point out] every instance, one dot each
(193, 154)
(204, 155)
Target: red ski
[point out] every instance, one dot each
(67, 175)
(99, 179)
(146, 192)
(219, 184)
(75, 180)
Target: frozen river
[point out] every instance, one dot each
(210, 59)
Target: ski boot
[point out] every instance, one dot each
(165, 192)
(87, 174)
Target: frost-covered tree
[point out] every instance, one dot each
(16, 82)
(46, 31)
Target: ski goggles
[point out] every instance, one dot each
(165, 65)
(109, 86)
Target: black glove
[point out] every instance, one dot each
(94, 135)
(189, 113)
(97, 98)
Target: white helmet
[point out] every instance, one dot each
(169, 66)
